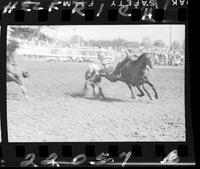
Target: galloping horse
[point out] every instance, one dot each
(131, 72)
(11, 75)
(134, 73)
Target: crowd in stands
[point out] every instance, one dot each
(163, 56)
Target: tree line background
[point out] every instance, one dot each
(34, 33)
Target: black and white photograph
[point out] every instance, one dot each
(96, 83)
(0, 111)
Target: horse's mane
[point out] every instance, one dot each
(142, 56)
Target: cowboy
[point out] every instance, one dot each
(94, 70)
(104, 61)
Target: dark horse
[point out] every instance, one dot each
(94, 74)
(133, 73)
(11, 75)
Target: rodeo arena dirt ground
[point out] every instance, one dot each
(60, 111)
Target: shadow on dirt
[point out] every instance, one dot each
(97, 97)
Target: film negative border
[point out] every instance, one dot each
(70, 154)
(98, 154)
(84, 12)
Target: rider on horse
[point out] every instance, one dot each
(109, 69)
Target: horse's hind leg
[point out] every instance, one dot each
(154, 89)
(146, 91)
(132, 94)
(140, 90)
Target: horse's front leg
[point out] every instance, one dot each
(146, 91)
(153, 88)
(132, 94)
(140, 90)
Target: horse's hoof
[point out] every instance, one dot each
(134, 98)
(140, 95)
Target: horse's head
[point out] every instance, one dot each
(149, 59)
